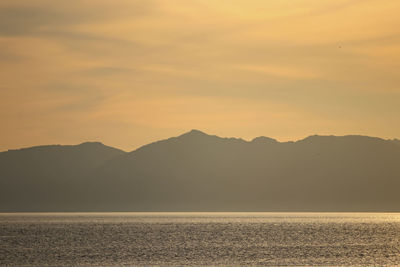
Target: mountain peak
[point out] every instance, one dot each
(91, 144)
(94, 145)
(194, 133)
(264, 139)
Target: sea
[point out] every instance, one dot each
(199, 239)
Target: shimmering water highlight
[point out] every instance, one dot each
(64, 239)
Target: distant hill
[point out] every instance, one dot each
(50, 178)
(200, 172)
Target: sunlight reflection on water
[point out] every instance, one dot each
(200, 238)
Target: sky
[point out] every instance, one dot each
(130, 72)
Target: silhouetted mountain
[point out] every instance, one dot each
(49, 177)
(200, 172)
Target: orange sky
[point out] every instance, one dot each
(131, 72)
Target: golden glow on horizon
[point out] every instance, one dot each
(130, 72)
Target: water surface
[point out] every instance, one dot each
(200, 239)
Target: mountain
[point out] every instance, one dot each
(200, 172)
(49, 178)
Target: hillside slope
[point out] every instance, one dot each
(49, 178)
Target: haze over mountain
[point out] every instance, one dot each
(200, 172)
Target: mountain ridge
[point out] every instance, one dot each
(194, 132)
(200, 172)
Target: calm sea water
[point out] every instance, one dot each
(293, 239)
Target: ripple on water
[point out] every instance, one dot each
(199, 239)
